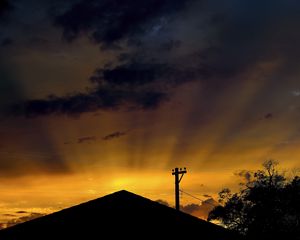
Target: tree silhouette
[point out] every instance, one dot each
(266, 207)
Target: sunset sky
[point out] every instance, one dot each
(103, 95)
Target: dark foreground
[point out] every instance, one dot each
(121, 215)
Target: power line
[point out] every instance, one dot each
(191, 195)
(196, 198)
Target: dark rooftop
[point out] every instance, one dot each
(121, 214)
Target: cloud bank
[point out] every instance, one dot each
(161, 44)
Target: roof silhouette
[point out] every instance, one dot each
(118, 215)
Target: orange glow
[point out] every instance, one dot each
(155, 142)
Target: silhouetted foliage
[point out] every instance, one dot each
(267, 206)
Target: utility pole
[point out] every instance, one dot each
(177, 172)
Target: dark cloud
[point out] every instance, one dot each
(206, 195)
(19, 212)
(268, 116)
(102, 98)
(7, 42)
(125, 85)
(256, 31)
(190, 208)
(170, 45)
(135, 74)
(133, 86)
(87, 139)
(114, 135)
(22, 219)
(90, 139)
(198, 210)
(37, 42)
(111, 22)
(166, 43)
(201, 210)
(4, 6)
